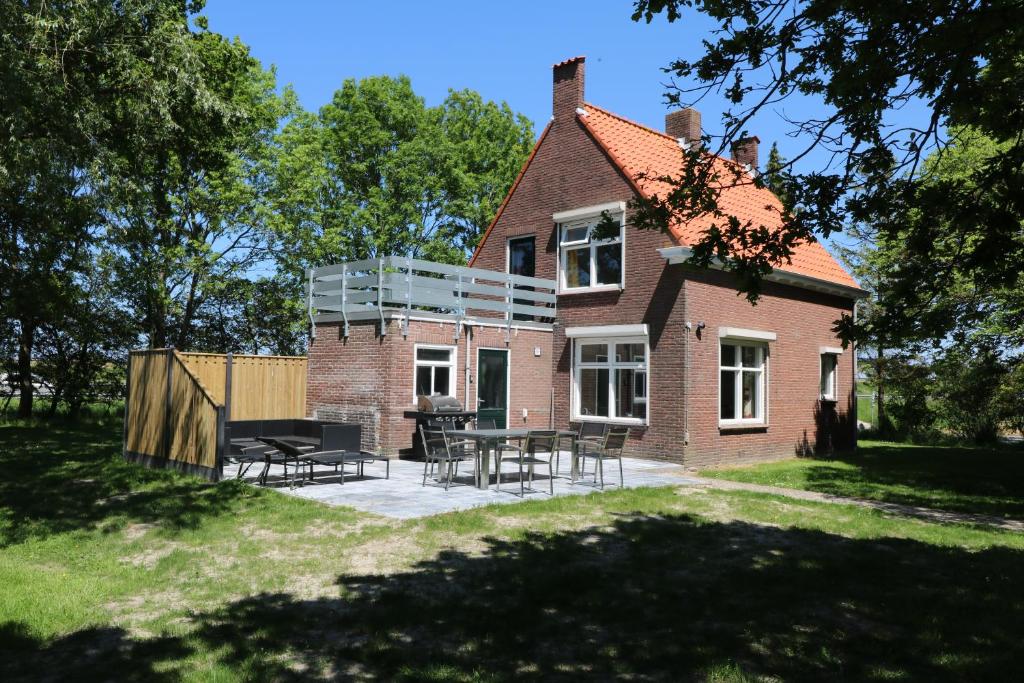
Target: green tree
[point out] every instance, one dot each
(377, 172)
(81, 355)
(47, 211)
(854, 64)
(184, 196)
(243, 315)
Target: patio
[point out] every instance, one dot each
(403, 496)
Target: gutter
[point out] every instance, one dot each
(676, 255)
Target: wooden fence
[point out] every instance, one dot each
(261, 387)
(178, 403)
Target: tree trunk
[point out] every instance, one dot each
(883, 427)
(26, 340)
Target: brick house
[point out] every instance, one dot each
(636, 337)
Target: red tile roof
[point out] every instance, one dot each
(637, 150)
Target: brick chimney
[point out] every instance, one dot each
(684, 124)
(744, 151)
(567, 90)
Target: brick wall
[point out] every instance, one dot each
(802, 321)
(570, 171)
(368, 379)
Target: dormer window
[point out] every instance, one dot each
(588, 261)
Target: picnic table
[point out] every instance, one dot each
(485, 438)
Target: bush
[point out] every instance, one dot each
(967, 393)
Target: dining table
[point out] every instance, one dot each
(488, 439)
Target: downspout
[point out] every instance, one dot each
(469, 351)
(687, 329)
(853, 384)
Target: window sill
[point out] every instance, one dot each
(735, 427)
(589, 290)
(631, 421)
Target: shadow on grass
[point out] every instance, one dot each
(60, 477)
(974, 480)
(649, 598)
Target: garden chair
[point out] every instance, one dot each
(284, 454)
(439, 450)
(610, 448)
(251, 455)
(591, 432)
(338, 459)
(538, 442)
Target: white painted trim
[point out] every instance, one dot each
(834, 396)
(741, 333)
(452, 369)
(588, 211)
(574, 388)
(508, 382)
(608, 331)
(676, 255)
(735, 423)
(561, 288)
(837, 350)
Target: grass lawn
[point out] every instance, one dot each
(980, 480)
(109, 571)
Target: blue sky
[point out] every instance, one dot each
(504, 50)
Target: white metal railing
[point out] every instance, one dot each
(367, 289)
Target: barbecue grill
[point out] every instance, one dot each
(437, 411)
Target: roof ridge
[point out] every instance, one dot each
(630, 121)
(659, 133)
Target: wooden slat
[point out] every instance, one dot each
(334, 271)
(145, 412)
(399, 262)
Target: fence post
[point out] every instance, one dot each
(127, 399)
(168, 405)
(408, 296)
(344, 303)
(380, 296)
(508, 329)
(227, 385)
(221, 445)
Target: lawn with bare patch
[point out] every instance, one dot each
(108, 571)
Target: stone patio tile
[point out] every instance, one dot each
(403, 496)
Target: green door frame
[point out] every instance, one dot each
(498, 414)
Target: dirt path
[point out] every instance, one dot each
(928, 514)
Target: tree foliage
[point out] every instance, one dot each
(377, 172)
(860, 62)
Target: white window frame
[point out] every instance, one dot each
(834, 380)
(611, 365)
(763, 353)
(588, 218)
(434, 364)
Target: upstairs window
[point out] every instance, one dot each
(587, 262)
(434, 371)
(522, 260)
(742, 383)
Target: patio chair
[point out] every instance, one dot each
(249, 456)
(338, 459)
(440, 450)
(590, 432)
(284, 454)
(530, 453)
(610, 448)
